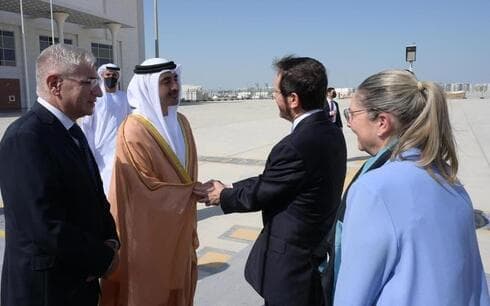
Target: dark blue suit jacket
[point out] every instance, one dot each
(338, 119)
(57, 217)
(298, 194)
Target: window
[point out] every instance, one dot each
(46, 41)
(7, 48)
(103, 53)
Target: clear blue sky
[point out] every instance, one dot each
(231, 43)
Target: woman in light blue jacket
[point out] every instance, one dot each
(408, 236)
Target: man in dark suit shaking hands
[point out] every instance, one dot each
(60, 235)
(298, 192)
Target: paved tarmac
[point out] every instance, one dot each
(233, 141)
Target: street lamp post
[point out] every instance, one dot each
(155, 20)
(410, 55)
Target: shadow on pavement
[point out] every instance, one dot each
(208, 212)
(481, 219)
(211, 268)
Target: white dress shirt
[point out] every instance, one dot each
(297, 120)
(67, 122)
(332, 107)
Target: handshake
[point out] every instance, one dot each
(209, 192)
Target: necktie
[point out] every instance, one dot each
(76, 132)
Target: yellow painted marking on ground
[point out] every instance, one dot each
(351, 171)
(2, 234)
(1, 204)
(245, 234)
(213, 259)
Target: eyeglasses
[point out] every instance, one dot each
(92, 82)
(348, 114)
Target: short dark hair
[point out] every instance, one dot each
(330, 89)
(304, 76)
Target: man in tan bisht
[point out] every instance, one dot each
(151, 196)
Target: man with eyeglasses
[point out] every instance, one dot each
(298, 192)
(100, 128)
(60, 235)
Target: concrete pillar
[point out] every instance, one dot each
(60, 18)
(114, 28)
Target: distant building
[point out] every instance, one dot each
(193, 93)
(244, 95)
(112, 30)
(262, 95)
(456, 87)
(343, 93)
(480, 90)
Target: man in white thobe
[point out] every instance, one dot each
(101, 127)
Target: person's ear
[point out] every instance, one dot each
(293, 100)
(385, 125)
(53, 83)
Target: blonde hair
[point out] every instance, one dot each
(61, 59)
(420, 109)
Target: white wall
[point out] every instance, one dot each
(126, 11)
(122, 11)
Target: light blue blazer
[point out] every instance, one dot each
(409, 240)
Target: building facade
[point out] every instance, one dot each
(193, 93)
(112, 29)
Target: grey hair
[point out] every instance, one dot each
(60, 59)
(422, 117)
